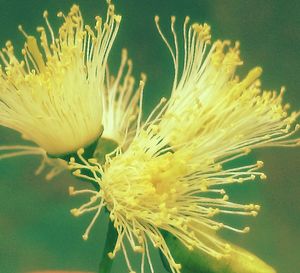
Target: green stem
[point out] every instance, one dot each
(111, 238)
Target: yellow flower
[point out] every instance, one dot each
(54, 95)
(61, 94)
(171, 176)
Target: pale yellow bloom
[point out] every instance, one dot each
(54, 95)
(171, 176)
(61, 95)
(217, 109)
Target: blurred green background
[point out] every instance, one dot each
(36, 229)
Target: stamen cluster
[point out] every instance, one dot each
(170, 177)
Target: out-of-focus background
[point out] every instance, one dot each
(36, 229)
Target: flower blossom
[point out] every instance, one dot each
(171, 175)
(61, 93)
(167, 173)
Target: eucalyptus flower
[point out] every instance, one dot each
(170, 177)
(160, 179)
(60, 94)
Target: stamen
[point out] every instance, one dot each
(68, 62)
(45, 15)
(156, 19)
(86, 233)
(127, 259)
(173, 18)
(22, 31)
(139, 119)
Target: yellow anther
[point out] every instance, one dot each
(177, 266)
(93, 160)
(111, 255)
(20, 28)
(240, 180)
(263, 176)
(186, 20)
(254, 213)
(71, 190)
(260, 164)
(40, 29)
(118, 18)
(257, 207)
(72, 160)
(163, 100)
(225, 197)
(93, 198)
(138, 249)
(80, 151)
(77, 172)
(246, 229)
(75, 212)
